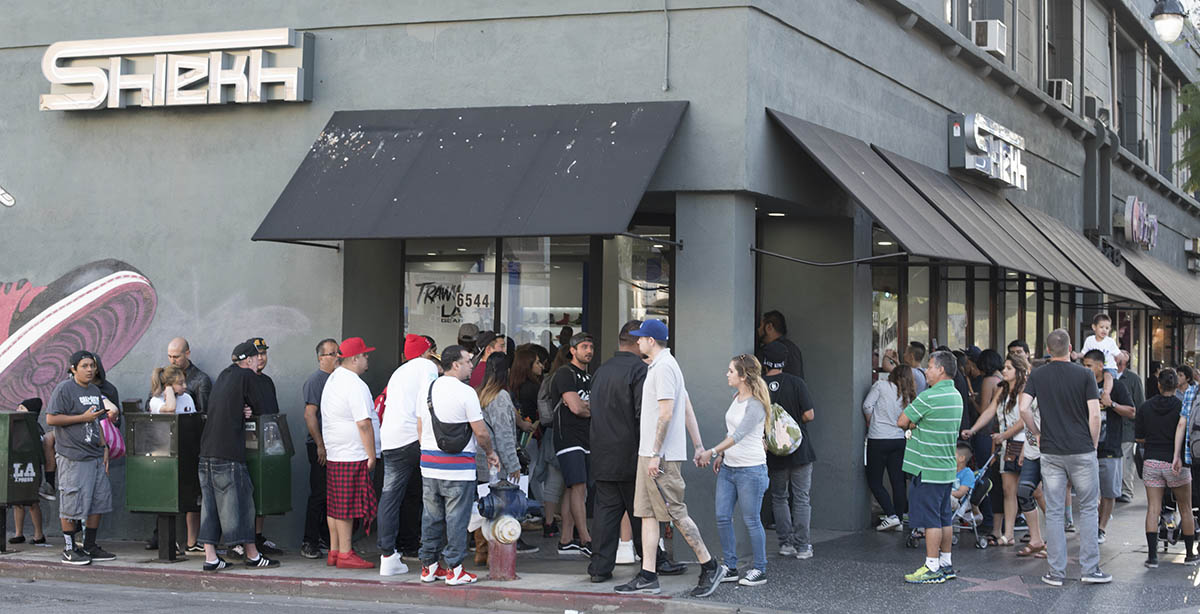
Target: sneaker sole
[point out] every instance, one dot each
(930, 581)
(1151, 565)
(461, 582)
(745, 582)
(712, 589)
(77, 563)
(1095, 581)
(641, 591)
(96, 560)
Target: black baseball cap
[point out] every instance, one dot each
(578, 338)
(259, 343)
(245, 350)
(774, 355)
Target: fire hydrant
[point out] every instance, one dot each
(502, 510)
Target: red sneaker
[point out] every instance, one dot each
(433, 573)
(351, 560)
(332, 559)
(458, 575)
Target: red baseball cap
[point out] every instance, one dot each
(353, 347)
(414, 346)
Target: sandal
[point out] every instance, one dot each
(1004, 541)
(991, 539)
(1028, 550)
(1041, 554)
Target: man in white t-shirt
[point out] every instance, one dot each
(349, 433)
(448, 478)
(406, 392)
(658, 492)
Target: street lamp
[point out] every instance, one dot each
(1168, 16)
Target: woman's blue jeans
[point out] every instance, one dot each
(745, 484)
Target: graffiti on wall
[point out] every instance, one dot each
(103, 307)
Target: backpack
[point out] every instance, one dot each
(546, 403)
(783, 434)
(451, 437)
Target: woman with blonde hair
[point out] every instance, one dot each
(740, 462)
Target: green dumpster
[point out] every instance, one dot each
(269, 454)
(162, 462)
(21, 455)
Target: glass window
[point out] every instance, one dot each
(1191, 342)
(1048, 309)
(448, 283)
(885, 309)
(956, 307)
(1031, 310)
(918, 304)
(1011, 309)
(643, 269)
(542, 287)
(1129, 336)
(982, 304)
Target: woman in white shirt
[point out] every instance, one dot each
(885, 443)
(740, 461)
(168, 395)
(1009, 438)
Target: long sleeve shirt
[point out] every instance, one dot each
(500, 418)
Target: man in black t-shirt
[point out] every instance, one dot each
(266, 402)
(1112, 426)
(792, 472)
(572, 384)
(772, 327)
(316, 529)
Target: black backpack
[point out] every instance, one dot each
(451, 437)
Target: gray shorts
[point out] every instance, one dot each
(83, 488)
(1110, 478)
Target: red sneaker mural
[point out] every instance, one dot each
(103, 307)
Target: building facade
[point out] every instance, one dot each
(761, 108)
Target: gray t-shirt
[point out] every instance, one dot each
(81, 441)
(313, 387)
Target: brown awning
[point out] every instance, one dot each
(1179, 288)
(919, 228)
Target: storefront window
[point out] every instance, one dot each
(1162, 339)
(1011, 309)
(643, 276)
(885, 307)
(1191, 342)
(1031, 312)
(918, 304)
(956, 307)
(1048, 310)
(449, 282)
(543, 281)
(982, 304)
(1129, 336)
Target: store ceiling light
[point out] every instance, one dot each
(430, 253)
(776, 214)
(657, 246)
(884, 243)
(1168, 17)
(461, 249)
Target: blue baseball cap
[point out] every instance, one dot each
(655, 329)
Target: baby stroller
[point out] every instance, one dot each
(983, 486)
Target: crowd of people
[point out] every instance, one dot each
(1026, 438)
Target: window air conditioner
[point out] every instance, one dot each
(1192, 246)
(991, 35)
(1062, 91)
(1193, 264)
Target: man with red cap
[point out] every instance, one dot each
(401, 449)
(347, 425)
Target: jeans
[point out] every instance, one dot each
(226, 502)
(746, 484)
(399, 465)
(316, 528)
(887, 454)
(792, 528)
(1027, 483)
(1083, 471)
(444, 520)
(612, 501)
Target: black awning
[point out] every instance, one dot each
(1086, 256)
(919, 228)
(1179, 288)
(1027, 236)
(475, 172)
(992, 238)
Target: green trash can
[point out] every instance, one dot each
(162, 461)
(21, 454)
(269, 454)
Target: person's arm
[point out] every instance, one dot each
(666, 408)
(1106, 394)
(986, 416)
(367, 433)
(961, 492)
(904, 422)
(1126, 411)
(1094, 421)
(1027, 415)
(808, 416)
(505, 440)
(65, 420)
(578, 406)
(693, 427)
(200, 396)
(314, 429)
(169, 401)
(1180, 435)
(868, 406)
(484, 441)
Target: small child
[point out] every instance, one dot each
(964, 478)
(1101, 327)
(34, 510)
(168, 392)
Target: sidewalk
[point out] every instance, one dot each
(851, 572)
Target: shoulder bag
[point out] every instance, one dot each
(451, 437)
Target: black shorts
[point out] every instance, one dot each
(576, 466)
(929, 505)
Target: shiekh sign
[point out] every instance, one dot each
(247, 66)
(984, 148)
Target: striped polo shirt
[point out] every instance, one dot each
(937, 413)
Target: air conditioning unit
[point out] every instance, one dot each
(1061, 90)
(1193, 264)
(991, 35)
(1192, 246)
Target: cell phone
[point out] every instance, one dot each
(97, 409)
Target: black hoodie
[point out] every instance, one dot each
(1155, 422)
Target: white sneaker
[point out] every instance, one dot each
(787, 550)
(625, 553)
(392, 565)
(458, 576)
(806, 553)
(887, 523)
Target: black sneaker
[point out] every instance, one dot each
(262, 561)
(96, 553)
(586, 549)
(267, 546)
(948, 572)
(640, 585)
(195, 548)
(725, 574)
(551, 530)
(1096, 577)
(525, 548)
(1151, 562)
(667, 567)
(754, 577)
(310, 551)
(218, 566)
(708, 580)
(76, 557)
(1053, 579)
(1191, 559)
(571, 547)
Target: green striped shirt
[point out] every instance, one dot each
(936, 414)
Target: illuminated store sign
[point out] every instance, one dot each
(982, 147)
(247, 66)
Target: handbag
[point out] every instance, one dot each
(451, 437)
(1012, 450)
(113, 439)
(783, 434)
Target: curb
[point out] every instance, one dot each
(478, 596)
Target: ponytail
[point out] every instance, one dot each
(156, 382)
(162, 377)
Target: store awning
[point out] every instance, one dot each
(1028, 237)
(989, 236)
(475, 172)
(1179, 288)
(1085, 255)
(919, 228)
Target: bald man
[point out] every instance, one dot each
(179, 354)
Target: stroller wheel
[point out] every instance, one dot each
(912, 541)
(981, 543)
(954, 541)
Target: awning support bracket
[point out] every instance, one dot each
(825, 264)
(677, 244)
(336, 248)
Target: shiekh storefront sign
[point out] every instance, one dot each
(247, 66)
(986, 149)
(1139, 227)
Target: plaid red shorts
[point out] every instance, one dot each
(349, 492)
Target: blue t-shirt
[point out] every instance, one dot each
(966, 477)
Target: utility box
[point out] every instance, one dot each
(22, 458)
(269, 454)
(162, 461)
